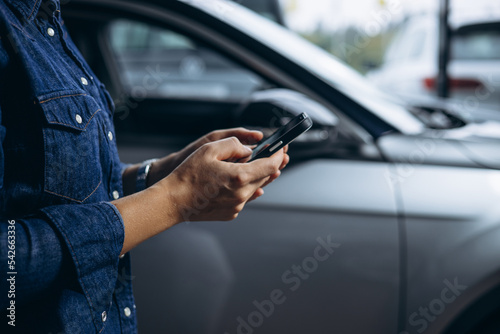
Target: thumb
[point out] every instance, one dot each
(248, 137)
(230, 149)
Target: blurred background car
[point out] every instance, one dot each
(410, 67)
(386, 221)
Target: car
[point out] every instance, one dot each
(410, 67)
(193, 72)
(386, 220)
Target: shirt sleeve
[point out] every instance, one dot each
(2, 136)
(79, 242)
(2, 128)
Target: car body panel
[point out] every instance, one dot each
(485, 71)
(276, 232)
(453, 241)
(436, 149)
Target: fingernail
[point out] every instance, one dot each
(248, 149)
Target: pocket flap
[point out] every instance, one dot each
(73, 109)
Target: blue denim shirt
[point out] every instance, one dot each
(59, 168)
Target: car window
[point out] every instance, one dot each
(160, 63)
(476, 45)
(407, 45)
(416, 48)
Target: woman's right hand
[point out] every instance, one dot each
(206, 187)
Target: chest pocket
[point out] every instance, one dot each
(71, 141)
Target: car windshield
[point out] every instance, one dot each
(476, 44)
(316, 60)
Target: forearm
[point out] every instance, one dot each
(160, 169)
(147, 213)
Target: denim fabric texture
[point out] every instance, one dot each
(59, 170)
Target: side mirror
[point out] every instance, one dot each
(270, 109)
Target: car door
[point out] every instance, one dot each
(318, 253)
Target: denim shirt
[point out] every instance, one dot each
(59, 168)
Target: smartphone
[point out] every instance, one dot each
(283, 136)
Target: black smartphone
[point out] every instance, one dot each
(283, 136)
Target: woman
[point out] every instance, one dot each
(70, 211)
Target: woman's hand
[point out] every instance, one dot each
(204, 187)
(163, 167)
(208, 187)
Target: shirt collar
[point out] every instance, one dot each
(28, 9)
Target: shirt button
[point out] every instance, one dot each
(116, 194)
(78, 119)
(127, 312)
(104, 316)
(84, 81)
(50, 31)
(110, 135)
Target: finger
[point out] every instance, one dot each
(264, 167)
(286, 160)
(229, 149)
(285, 149)
(259, 192)
(245, 136)
(271, 179)
(242, 161)
(267, 180)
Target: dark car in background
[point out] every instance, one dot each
(386, 221)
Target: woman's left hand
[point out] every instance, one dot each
(163, 167)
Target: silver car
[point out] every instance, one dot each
(387, 220)
(410, 67)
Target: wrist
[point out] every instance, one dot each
(169, 192)
(162, 168)
(147, 214)
(143, 173)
